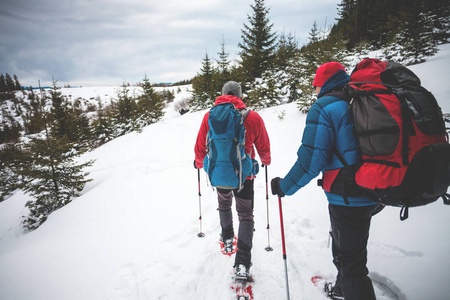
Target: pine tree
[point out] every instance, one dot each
(2, 85)
(265, 91)
(34, 122)
(17, 84)
(286, 63)
(166, 96)
(223, 73)
(81, 131)
(13, 160)
(314, 54)
(203, 95)
(10, 85)
(149, 105)
(258, 42)
(286, 50)
(53, 178)
(415, 35)
(10, 128)
(440, 13)
(59, 115)
(314, 36)
(103, 124)
(125, 111)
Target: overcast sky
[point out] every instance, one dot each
(107, 42)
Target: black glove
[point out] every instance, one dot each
(195, 166)
(276, 189)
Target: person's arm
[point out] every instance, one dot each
(261, 141)
(200, 144)
(314, 152)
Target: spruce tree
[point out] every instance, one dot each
(286, 50)
(149, 105)
(34, 122)
(258, 42)
(265, 91)
(81, 131)
(125, 111)
(10, 128)
(13, 162)
(315, 53)
(439, 10)
(103, 124)
(412, 37)
(10, 84)
(223, 73)
(17, 84)
(204, 94)
(417, 37)
(286, 67)
(59, 115)
(53, 177)
(2, 86)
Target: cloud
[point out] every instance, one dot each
(114, 40)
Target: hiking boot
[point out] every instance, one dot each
(241, 272)
(333, 291)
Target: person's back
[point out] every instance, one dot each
(328, 140)
(255, 137)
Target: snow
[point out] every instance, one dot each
(133, 232)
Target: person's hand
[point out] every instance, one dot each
(276, 189)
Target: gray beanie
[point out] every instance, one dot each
(232, 88)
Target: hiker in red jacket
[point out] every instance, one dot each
(255, 137)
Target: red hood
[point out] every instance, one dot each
(237, 102)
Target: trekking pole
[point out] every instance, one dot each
(284, 248)
(268, 248)
(200, 234)
(329, 237)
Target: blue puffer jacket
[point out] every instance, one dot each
(329, 124)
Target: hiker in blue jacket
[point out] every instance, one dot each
(328, 140)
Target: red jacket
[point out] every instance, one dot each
(255, 134)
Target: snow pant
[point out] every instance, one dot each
(244, 207)
(350, 232)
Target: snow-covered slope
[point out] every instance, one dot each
(133, 232)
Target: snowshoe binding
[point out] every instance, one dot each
(228, 246)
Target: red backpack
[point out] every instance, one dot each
(402, 134)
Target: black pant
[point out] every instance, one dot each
(350, 232)
(244, 206)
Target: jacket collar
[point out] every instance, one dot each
(237, 102)
(335, 83)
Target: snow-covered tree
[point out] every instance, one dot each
(53, 177)
(149, 105)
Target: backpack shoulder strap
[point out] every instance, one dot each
(244, 113)
(340, 157)
(339, 94)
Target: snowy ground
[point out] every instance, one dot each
(133, 232)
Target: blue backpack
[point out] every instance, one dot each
(226, 162)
